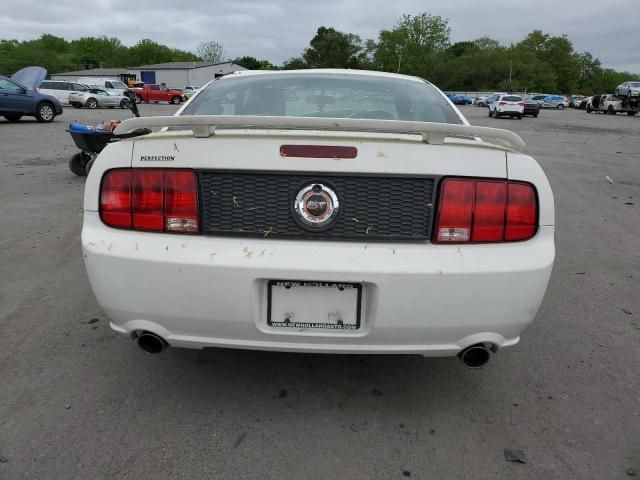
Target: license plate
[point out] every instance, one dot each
(314, 305)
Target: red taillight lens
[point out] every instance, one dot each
(115, 199)
(488, 218)
(456, 211)
(147, 199)
(159, 200)
(522, 212)
(473, 210)
(502, 103)
(521, 104)
(181, 202)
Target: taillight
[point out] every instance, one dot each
(150, 199)
(521, 104)
(502, 103)
(474, 210)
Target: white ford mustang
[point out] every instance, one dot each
(331, 211)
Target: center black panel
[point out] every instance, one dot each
(381, 207)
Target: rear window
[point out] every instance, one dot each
(512, 98)
(324, 95)
(55, 85)
(634, 84)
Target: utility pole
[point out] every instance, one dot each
(510, 72)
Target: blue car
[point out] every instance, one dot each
(459, 99)
(19, 97)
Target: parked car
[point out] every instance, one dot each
(539, 98)
(189, 91)
(61, 89)
(492, 98)
(595, 104)
(153, 92)
(575, 101)
(555, 101)
(98, 97)
(628, 89)
(111, 85)
(611, 104)
(280, 247)
(531, 108)
(19, 97)
(457, 99)
(584, 102)
(480, 101)
(506, 105)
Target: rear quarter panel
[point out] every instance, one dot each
(524, 168)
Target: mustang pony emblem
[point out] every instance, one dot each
(316, 205)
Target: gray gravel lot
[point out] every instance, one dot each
(77, 402)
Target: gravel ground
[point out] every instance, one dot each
(77, 402)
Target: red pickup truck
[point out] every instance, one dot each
(152, 92)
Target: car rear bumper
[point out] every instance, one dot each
(510, 110)
(420, 298)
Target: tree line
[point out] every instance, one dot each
(417, 45)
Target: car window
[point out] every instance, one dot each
(154, 87)
(9, 86)
(108, 85)
(512, 98)
(78, 88)
(324, 95)
(118, 84)
(634, 84)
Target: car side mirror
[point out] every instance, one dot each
(23, 91)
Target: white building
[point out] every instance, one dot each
(119, 73)
(180, 74)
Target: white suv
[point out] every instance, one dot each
(61, 89)
(506, 105)
(111, 85)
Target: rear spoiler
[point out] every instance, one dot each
(433, 133)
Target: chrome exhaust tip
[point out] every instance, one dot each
(475, 356)
(151, 343)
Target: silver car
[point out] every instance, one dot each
(628, 89)
(97, 97)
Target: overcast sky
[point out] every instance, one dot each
(279, 29)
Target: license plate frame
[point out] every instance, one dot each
(315, 325)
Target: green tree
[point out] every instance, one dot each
(253, 63)
(148, 52)
(413, 45)
(295, 63)
(590, 71)
(211, 51)
(332, 49)
(93, 52)
(478, 65)
(547, 54)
